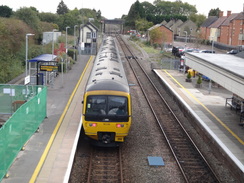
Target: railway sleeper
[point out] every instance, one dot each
(106, 180)
(105, 169)
(104, 161)
(182, 145)
(107, 174)
(105, 177)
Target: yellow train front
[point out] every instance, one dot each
(107, 103)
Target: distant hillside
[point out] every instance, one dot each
(12, 46)
(12, 34)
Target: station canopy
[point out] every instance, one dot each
(44, 58)
(226, 70)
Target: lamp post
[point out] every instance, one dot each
(26, 51)
(212, 43)
(82, 46)
(66, 46)
(74, 42)
(81, 39)
(184, 69)
(62, 70)
(186, 38)
(54, 30)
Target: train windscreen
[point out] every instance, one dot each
(107, 108)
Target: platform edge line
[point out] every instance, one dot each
(44, 155)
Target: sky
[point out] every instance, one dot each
(116, 8)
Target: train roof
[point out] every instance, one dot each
(108, 72)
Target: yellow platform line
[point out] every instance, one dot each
(222, 123)
(50, 142)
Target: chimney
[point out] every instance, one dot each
(228, 13)
(221, 14)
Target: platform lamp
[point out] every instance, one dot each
(212, 44)
(66, 45)
(54, 30)
(186, 38)
(74, 42)
(26, 51)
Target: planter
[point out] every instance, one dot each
(188, 80)
(198, 85)
(199, 82)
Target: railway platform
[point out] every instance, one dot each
(208, 106)
(47, 156)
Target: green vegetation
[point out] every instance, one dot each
(158, 12)
(199, 80)
(5, 11)
(12, 36)
(15, 25)
(154, 35)
(188, 75)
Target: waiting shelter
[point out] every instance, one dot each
(43, 69)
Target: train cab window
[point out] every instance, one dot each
(117, 105)
(106, 108)
(96, 105)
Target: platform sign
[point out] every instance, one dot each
(27, 79)
(49, 68)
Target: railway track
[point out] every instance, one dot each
(105, 166)
(191, 162)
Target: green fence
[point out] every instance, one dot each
(25, 108)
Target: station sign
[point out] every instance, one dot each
(49, 68)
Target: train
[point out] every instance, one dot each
(107, 108)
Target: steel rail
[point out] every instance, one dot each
(132, 56)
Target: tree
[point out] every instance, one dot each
(198, 19)
(12, 47)
(214, 12)
(70, 19)
(29, 16)
(48, 17)
(34, 9)
(158, 11)
(173, 8)
(143, 25)
(98, 14)
(62, 8)
(5, 11)
(155, 34)
(148, 8)
(136, 12)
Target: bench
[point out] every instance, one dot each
(232, 104)
(17, 103)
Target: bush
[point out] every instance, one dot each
(134, 38)
(29, 16)
(199, 80)
(60, 67)
(147, 43)
(155, 45)
(188, 75)
(71, 53)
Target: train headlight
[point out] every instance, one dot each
(119, 125)
(92, 124)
